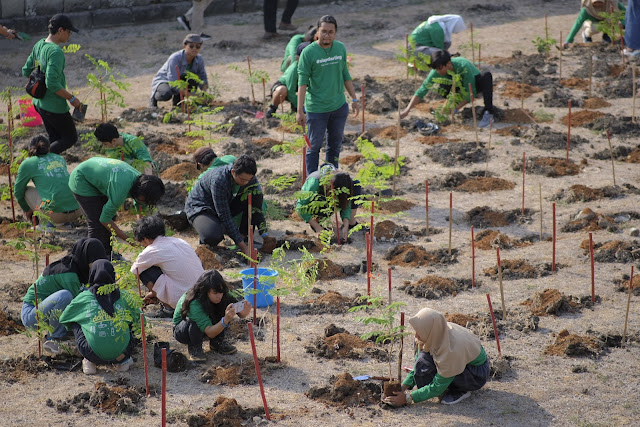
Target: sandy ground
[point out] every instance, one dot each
(538, 389)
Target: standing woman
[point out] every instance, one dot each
(451, 362)
(53, 107)
(101, 321)
(632, 29)
(49, 174)
(60, 282)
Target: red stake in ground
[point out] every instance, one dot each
(164, 387)
(257, 366)
(523, 170)
(426, 196)
(255, 289)
(144, 354)
(278, 327)
(473, 260)
(13, 209)
(593, 277)
(389, 285)
(368, 248)
(495, 328)
(553, 257)
(569, 131)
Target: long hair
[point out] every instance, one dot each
(210, 280)
(343, 181)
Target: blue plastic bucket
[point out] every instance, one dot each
(266, 280)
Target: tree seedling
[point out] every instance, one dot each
(110, 94)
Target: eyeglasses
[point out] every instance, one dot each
(195, 46)
(197, 165)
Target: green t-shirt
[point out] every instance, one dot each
(50, 57)
(586, 16)
(217, 162)
(310, 192)
(290, 80)
(461, 66)
(51, 178)
(48, 285)
(107, 339)
(324, 71)
(439, 384)
(290, 50)
(100, 176)
(133, 149)
(426, 34)
(195, 313)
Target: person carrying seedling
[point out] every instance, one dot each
(51, 194)
(124, 145)
(175, 68)
(322, 77)
(443, 65)
(588, 18)
(312, 203)
(207, 309)
(294, 42)
(102, 319)
(287, 86)
(60, 282)
(435, 33)
(53, 107)
(206, 159)
(450, 362)
(101, 185)
(222, 194)
(167, 266)
(7, 33)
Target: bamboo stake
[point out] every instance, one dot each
(13, 208)
(553, 258)
(406, 45)
(522, 92)
(362, 94)
(495, 328)
(258, 374)
(278, 328)
(264, 103)
(450, 218)
(401, 347)
(473, 112)
(540, 193)
(593, 277)
(453, 91)
(253, 96)
(473, 260)
(389, 273)
(504, 309)
(613, 168)
(368, 249)
(568, 132)
(490, 132)
(395, 162)
(633, 111)
(138, 281)
(144, 353)
(560, 59)
(249, 226)
(590, 73)
(626, 316)
(473, 49)
(426, 190)
(35, 293)
(523, 174)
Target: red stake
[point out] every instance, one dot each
(257, 365)
(13, 209)
(593, 277)
(373, 206)
(164, 387)
(304, 164)
(473, 260)
(406, 46)
(495, 328)
(144, 353)
(46, 260)
(368, 245)
(450, 219)
(181, 92)
(389, 285)
(278, 327)
(553, 259)
(253, 97)
(250, 232)
(362, 90)
(35, 292)
(426, 195)
(569, 131)
(138, 280)
(255, 288)
(523, 173)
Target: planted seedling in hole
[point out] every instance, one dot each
(110, 94)
(610, 24)
(453, 97)
(415, 61)
(252, 76)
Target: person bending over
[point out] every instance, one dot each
(167, 266)
(435, 33)
(451, 362)
(286, 87)
(443, 65)
(124, 147)
(588, 18)
(206, 159)
(207, 309)
(294, 42)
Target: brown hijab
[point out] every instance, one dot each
(451, 346)
(608, 5)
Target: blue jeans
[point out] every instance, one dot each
(330, 124)
(56, 301)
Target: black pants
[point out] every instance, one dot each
(151, 274)
(165, 92)
(484, 84)
(270, 8)
(85, 349)
(60, 128)
(472, 378)
(188, 332)
(92, 209)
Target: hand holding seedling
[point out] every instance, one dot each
(399, 399)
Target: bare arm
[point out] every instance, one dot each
(414, 101)
(63, 93)
(111, 225)
(300, 117)
(348, 84)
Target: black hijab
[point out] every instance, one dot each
(102, 273)
(84, 252)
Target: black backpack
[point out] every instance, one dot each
(36, 86)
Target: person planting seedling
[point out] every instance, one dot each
(124, 145)
(590, 15)
(450, 362)
(443, 65)
(287, 86)
(206, 159)
(435, 33)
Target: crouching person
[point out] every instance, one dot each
(98, 319)
(451, 362)
(206, 310)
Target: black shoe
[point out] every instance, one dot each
(272, 109)
(222, 346)
(153, 103)
(196, 353)
(162, 313)
(184, 22)
(606, 38)
(204, 36)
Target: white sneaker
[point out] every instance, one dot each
(51, 347)
(632, 53)
(184, 22)
(487, 117)
(455, 397)
(88, 367)
(124, 365)
(585, 38)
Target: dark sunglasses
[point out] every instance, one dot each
(196, 46)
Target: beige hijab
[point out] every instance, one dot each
(608, 4)
(451, 346)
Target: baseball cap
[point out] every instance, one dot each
(61, 21)
(301, 46)
(192, 38)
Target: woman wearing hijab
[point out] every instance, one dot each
(435, 33)
(588, 18)
(60, 282)
(98, 318)
(451, 361)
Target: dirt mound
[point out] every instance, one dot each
(386, 132)
(581, 118)
(395, 206)
(492, 239)
(558, 98)
(551, 167)
(208, 258)
(239, 373)
(461, 319)
(620, 126)
(511, 89)
(181, 172)
(343, 345)
(219, 257)
(575, 83)
(387, 229)
(620, 152)
(547, 139)
(567, 344)
(10, 231)
(551, 302)
(344, 391)
(582, 193)
(482, 185)
(484, 217)
(226, 412)
(518, 115)
(595, 103)
(453, 180)
(513, 269)
(634, 157)
(115, 400)
(265, 142)
(328, 303)
(614, 251)
(350, 159)
(622, 285)
(459, 154)
(408, 255)
(328, 269)
(142, 115)
(435, 139)
(9, 325)
(20, 368)
(588, 220)
(298, 241)
(435, 287)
